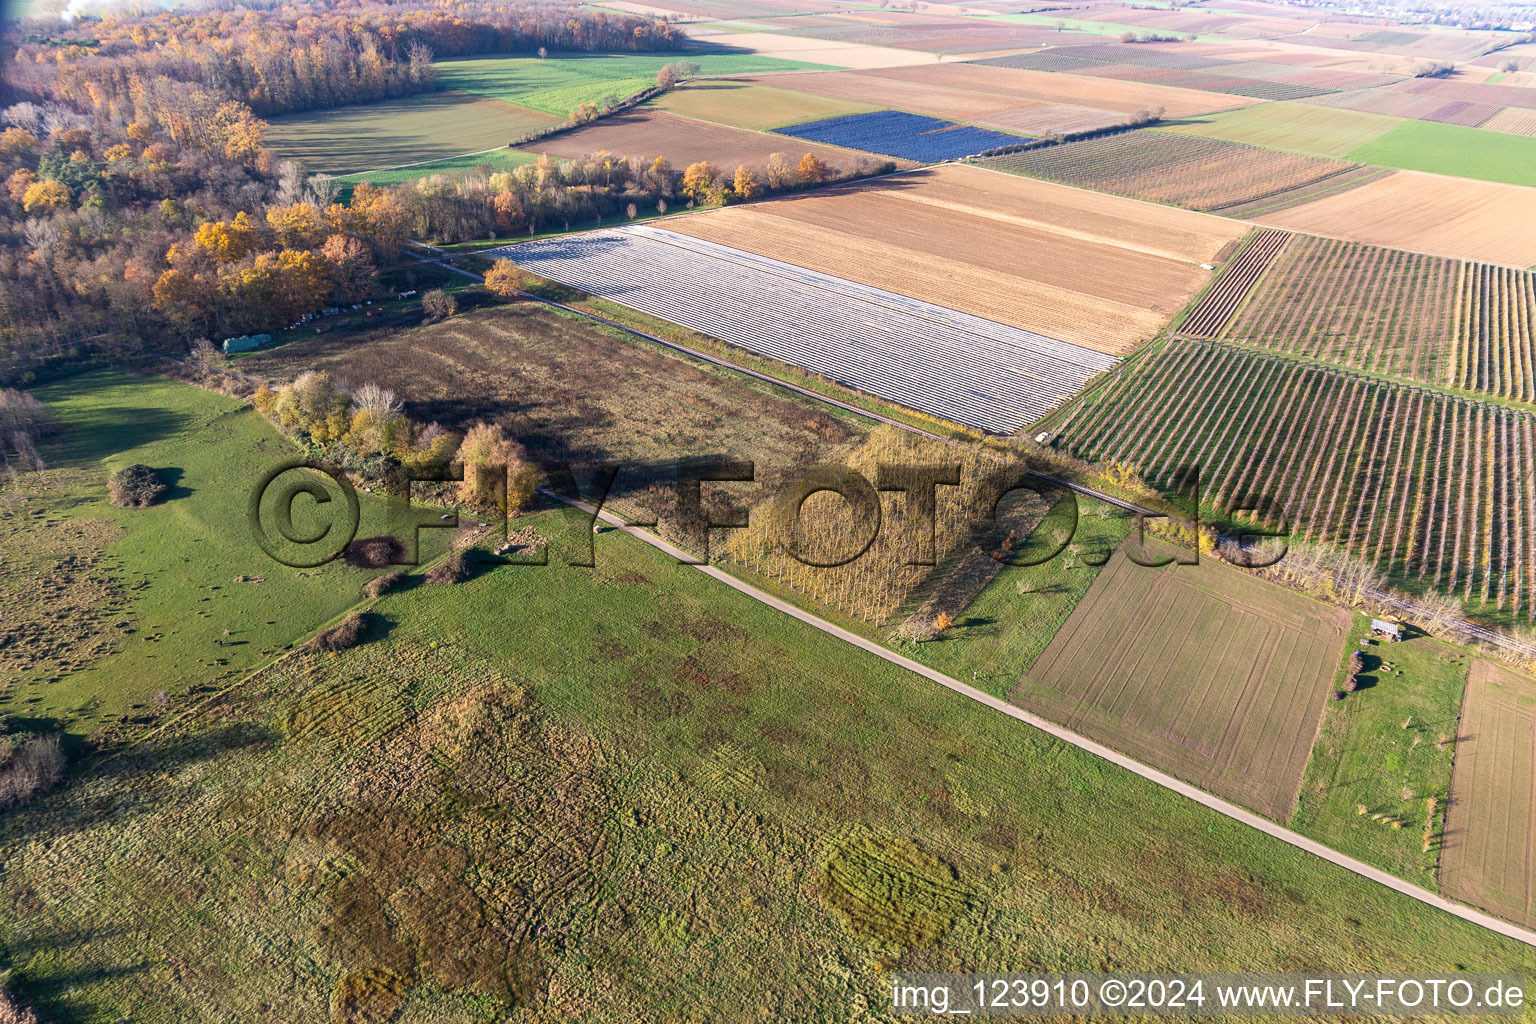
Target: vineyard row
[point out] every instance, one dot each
(1426, 486)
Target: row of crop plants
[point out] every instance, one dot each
(1493, 348)
(1381, 310)
(1430, 487)
(1402, 314)
(1184, 170)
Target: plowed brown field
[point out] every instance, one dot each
(1200, 670)
(968, 91)
(1081, 90)
(1095, 270)
(683, 140)
(1490, 825)
(1479, 220)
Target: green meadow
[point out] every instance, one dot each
(550, 768)
(559, 84)
(1453, 149)
(152, 599)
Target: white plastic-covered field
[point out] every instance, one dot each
(949, 364)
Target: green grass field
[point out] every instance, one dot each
(432, 126)
(497, 159)
(631, 792)
(1294, 127)
(759, 107)
(559, 84)
(1387, 748)
(1453, 149)
(153, 590)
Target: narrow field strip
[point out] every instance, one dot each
(929, 358)
(1218, 304)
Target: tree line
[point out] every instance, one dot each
(140, 203)
(593, 190)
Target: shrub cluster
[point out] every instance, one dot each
(349, 632)
(136, 486)
(374, 552)
(28, 766)
(381, 585)
(456, 568)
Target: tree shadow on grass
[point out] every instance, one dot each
(128, 784)
(57, 996)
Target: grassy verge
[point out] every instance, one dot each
(1381, 768)
(630, 791)
(998, 636)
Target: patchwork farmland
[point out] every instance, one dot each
(1206, 74)
(1490, 829)
(908, 136)
(1098, 271)
(939, 361)
(1202, 670)
(970, 92)
(1329, 132)
(1433, 489)
(1424, 318)
(1199, 174)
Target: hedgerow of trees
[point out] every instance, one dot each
(140, 204)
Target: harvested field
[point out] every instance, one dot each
(1294, 127)
(826, 52)
(1203, 70)
(682, 140)
(899, 134)
(1043, 86)
(1514, 120)
(1490, 828)
(972, 92)
(1311, 192)
(1053, 119)
(1446, 216)
(342, 140)
(1421, 108)
(756, 107)
(1397, 313)
(1201, 670)
(1217, 305)
(1430, 488)
(905, 31)
(1200, 174)
(1101, 271)
(947, 364)
(954, 103)
(1233, 85)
